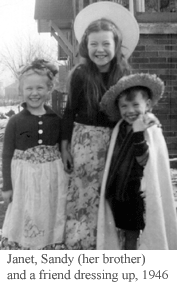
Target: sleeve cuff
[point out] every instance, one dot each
(138, 137)
(140, 144)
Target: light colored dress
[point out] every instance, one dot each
(89, 148)
(35, 219)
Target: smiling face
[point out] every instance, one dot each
(35, 90)
(130, 109)
(101, 49)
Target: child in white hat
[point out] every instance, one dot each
(136, 197)
(107, 34)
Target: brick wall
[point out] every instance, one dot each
(157, 53)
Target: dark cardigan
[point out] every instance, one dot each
(76, 109)
(24, 131)
(123, 184)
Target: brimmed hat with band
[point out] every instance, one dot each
(152, 82)
(116, 13)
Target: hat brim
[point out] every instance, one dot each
(152, 82)
(114, 12)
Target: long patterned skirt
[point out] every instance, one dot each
(35, 219)
(89, 148)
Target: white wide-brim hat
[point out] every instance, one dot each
(150, 81)
(119, 15)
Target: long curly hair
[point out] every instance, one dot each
(93, 83)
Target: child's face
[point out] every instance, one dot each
(131, 110)
(101, 49)
(35, 91)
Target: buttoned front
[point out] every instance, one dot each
(40, 131)
(25, 131)
(30, 130)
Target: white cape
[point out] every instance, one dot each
(160, 232)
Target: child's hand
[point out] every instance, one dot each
(145, 121)
(7, 196)
(152, 120)
(67, 160)
(140, 124)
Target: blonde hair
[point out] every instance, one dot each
(40, 67)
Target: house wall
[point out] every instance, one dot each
(157, 53)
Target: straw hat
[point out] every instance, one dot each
(119, 15)
(152, 82)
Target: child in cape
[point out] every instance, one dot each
(34, 181)
(136, 183)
